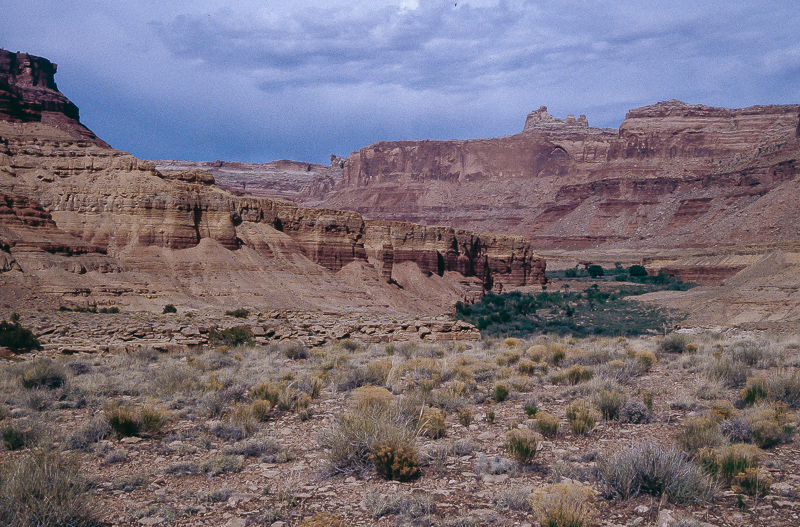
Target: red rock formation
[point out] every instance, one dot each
(72, 204)
(674, 175)
(494, 259)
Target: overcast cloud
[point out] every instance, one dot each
(261, 80)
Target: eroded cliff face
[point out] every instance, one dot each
(74, 212)
(492, 259)
(674, 174)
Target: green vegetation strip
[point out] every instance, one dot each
(589, 312)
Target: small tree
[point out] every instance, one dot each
(595, 271)
(637, 271)
(16, 338)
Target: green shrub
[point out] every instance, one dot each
(674, 343)
(555, 354)
(368, 396)
(508, 358)
(267, 391)
(291, 399)
(727, 462)
(16, 338)
(295, 351)
(432, 423)
(19, 434)
(637, 271)
(261, 410)
(530, 406)
(395, 461)
(123, 420)
(547, 424)
(151, 420)
(646, 359)
(755, 391)
(521, 444)
(45, 373)
(45, 489)
(231, 336)
(575, 374)
(595, 271)
(351, 345)
(563, 505)
(528, 367)
(376, 372)
(609, 402)
(500, 392)
(752, 482)
(169, 308)
(126, 421)
(578, 373)
(770, 425)
(648, 468)
(582, 418)
(584, 313)
(464, 415)
(238, 313)
(700, 432)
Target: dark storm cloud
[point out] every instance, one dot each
(257, 80)
(444, 47)
(436, 45)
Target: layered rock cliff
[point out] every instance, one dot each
(491, 258)
(672, 175)
(74, 212)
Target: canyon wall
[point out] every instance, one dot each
(71, 204)
(672, 175)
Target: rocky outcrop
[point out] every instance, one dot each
(276, 179)
(71, 332)
(541, 120)
(28, 88)
(28, 93)
(494, 259)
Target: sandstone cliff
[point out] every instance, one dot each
(94, 224)
(673, 175)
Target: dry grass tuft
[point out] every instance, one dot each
(45, 489)
(563, 505)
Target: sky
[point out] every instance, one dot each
(255, 81)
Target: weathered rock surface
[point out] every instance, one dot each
(292, 180)
(96, 226)
(82, 332)
(674, 174)
(490, 258)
